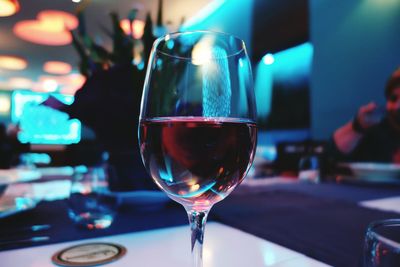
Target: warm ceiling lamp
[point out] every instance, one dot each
(8, 7)
(51, 27)
(66, 84)
(46, 84)
(73, 83)
(12, 63)
(137, 28)
(5, 104)
(20, 83)
(57, 67)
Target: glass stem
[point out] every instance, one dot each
(197, 220)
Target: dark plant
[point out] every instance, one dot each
(109, 101)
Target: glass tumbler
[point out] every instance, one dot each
(309, 169)
(382, 244)
(91, 205)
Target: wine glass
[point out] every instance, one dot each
(382, 243)
(197, 130)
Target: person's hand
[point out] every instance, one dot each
(369, 115)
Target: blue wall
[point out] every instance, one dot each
(289, 65)
(356, 47)
(230, 16)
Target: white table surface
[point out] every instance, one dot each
(391, 204)
(170, 247)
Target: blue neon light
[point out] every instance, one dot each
(268, 59)
(292, 64)
(203, 14)
(43, 125)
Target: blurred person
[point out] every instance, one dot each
(10, 147)
(373, 135)
(6, 151)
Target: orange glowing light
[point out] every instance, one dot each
(50, 85)
(8, 7)
(12, 63)
(137, 27)
(66, 84)
(20, 83)
(68, 20)
(57, 67)
(47, 86)
(47, 83)
(73, 83)
(50, 28)
(5, 104)
(76, 79)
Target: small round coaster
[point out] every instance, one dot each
(89, 254)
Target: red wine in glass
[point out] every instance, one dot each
(197, 161)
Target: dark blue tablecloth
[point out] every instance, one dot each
(354, 192)
(327, 229)
(128, 219)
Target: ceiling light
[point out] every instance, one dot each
(66, 84)
(8, 7)
(12, 63)
(20, 83)
(73, 83)
(5, 104)
(47, 83)
(51, 27)
(68, 20)
(50, 85)
(57, 67)
(268, 59)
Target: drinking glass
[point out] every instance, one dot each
(382, 244)
(91, 205)
(197, 131)
(309, 169)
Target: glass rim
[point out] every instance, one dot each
(371, 230)
(210, 119)
(174, 35)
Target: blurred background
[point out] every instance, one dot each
(314, 62)
(71, 80)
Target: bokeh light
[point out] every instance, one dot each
(268, 59)
(12, 63)
(8, 7)
(50, 28)
(57, 67)
(5, 104)
(137, 27)
(65, 84)
(20, 83)
(72, 83)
